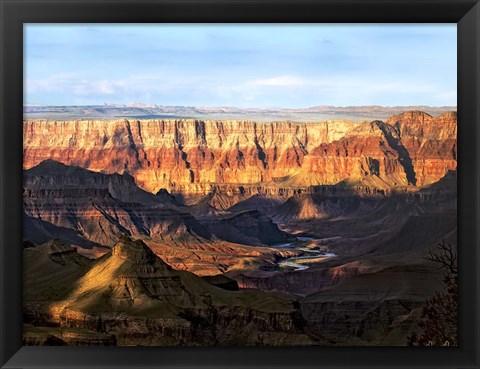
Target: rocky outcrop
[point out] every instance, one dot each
(90, 207)
(99, 218)
(248, 228)
(133, 295)
(191, 156)
(53, 174)
(49, 270)
(306, 207)
(431, 143)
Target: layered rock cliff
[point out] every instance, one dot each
(430, 142)
(191, 156)
(168, 153)
(409, 149)
(100, 207)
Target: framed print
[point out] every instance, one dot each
(231, 184)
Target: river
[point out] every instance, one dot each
(295, 262)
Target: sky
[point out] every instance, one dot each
(242, 65)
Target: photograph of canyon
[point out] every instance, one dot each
(240, 185)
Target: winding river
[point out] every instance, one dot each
(295, 262)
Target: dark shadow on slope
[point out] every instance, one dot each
(40, 231)
(404, 156)
(261, 154)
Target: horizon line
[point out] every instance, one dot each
(150, 105)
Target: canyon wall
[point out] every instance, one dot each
(190, 156)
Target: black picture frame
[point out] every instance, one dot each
(466, 13)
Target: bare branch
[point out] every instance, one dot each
(446, 257)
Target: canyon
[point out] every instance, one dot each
(137, 211)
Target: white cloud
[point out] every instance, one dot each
(283, 89)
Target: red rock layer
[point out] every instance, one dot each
(191, 155)
(430, 142)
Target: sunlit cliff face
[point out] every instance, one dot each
(190, 156)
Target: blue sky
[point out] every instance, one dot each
(241, 65)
